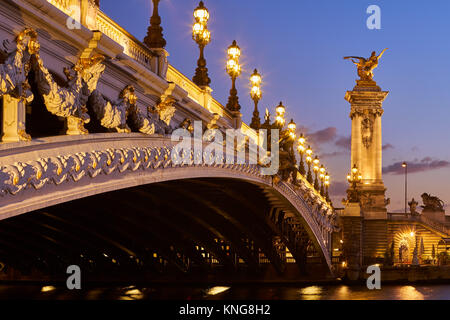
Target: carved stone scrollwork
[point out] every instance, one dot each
(70, 102)
(378, 112)
(186, 124)
(14, 86)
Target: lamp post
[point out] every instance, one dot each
(301, 150)
(234, 70)
(202, 37)
(255, 93)
(309, 160)
(316, 168)
(322, 179)
(154, 38)
(279, 119)
(405, 165)
(327, 185)
(354, 177)
(291, 129)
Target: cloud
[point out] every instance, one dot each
(331, 154)
(425, 164)
(338, 188)
(344, 142)
(323, 136)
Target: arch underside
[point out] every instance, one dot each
(184, 226)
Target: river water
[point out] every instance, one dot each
(249, 292)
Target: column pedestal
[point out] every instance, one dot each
(13, 126)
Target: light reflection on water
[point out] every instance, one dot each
(251, 292)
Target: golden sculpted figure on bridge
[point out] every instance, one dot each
(14, 86)
(366, 66)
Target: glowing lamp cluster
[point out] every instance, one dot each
(255, 83)
(321, 182)
(291, 128)
(319, 170)
(280, 111)
(355, 175)
(200, 32)
(233, 66)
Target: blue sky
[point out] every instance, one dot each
(298, 45)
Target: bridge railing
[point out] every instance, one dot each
(437, 225)
(63, 5)
(132, 47)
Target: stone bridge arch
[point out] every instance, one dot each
(118, 168)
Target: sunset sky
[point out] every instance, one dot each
(298, 48)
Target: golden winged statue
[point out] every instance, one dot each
(366, 66)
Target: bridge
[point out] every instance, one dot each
(113, 160)
(87, 173)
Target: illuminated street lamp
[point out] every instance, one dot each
(316, 168)
(202, 37)
(256, 94)
(309, 160)
(327, 185)
(301, 150)
(279, 119)
(234, 70)
(201, 14)
(322, 179)
(291, 128)
(354, 177)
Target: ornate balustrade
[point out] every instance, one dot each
(132, 47)
(63, 5)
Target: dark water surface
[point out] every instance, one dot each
(250, 292)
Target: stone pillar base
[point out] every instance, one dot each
(237, 119)
(352, 209)
(13, 126)
(75, 126)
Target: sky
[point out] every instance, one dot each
(298, 47)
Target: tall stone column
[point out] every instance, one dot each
(366, 100)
